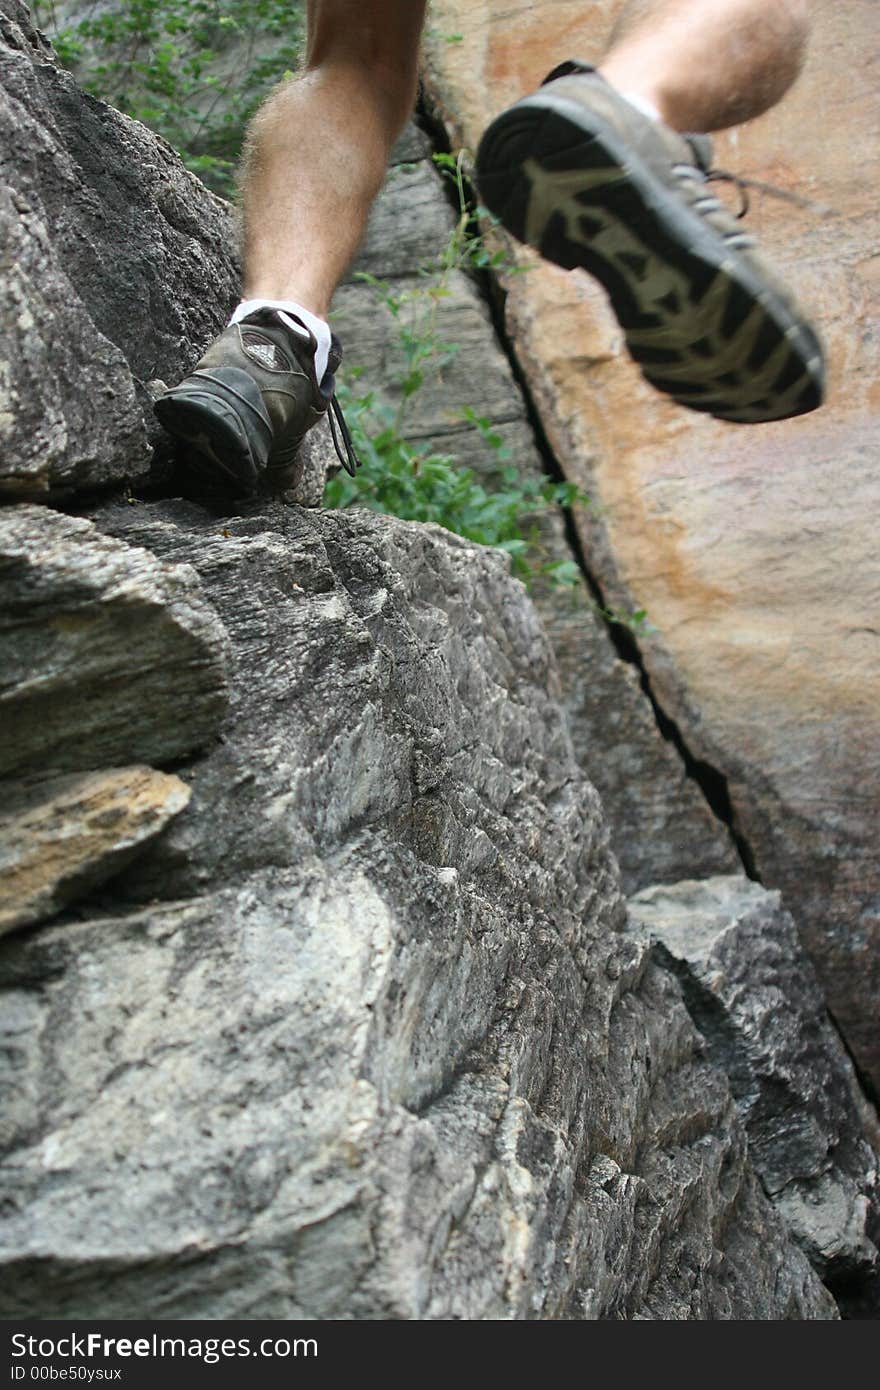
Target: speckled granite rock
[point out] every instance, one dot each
(61, 836)
(377, 1044)
(106, 656)
(754, 996)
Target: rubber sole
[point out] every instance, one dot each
(699, 321)
(215, 454)
(218, 414)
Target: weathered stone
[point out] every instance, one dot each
(753, 551)
(382, 1048)
(19, 33)
(754, 996)
(362, 1034)
(372, 337)
(411, 144)
(406, 220)
(55, 367)
(119, 266)
(319, 462)
(61, 836)
(105, 656)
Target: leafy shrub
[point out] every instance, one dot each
(416, 485)
(192, 70)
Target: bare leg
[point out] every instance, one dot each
(708, 64)
(317, 149)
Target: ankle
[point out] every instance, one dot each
(646, 95)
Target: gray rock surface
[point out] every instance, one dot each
(381, 1048)
(106, 656)
(319, 461)
(61, 836)
(754, 996)
(119, 266)
(408, 223)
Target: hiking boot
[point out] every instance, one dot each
(248, 404)
(576, 171)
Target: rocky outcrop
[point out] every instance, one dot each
(752, 551)
(118, 266)
(381, 1048)
(106, 656)
(661, 827)
(62, 836)
(756, 1001)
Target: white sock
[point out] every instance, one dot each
(646, 107)
(286, 307)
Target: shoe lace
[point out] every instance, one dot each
(709, 204)
(740, 184)
(338, 427)
(697, 176)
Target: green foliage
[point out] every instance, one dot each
(421, 485)
(192, 70)
(635, 621)
(466, 247)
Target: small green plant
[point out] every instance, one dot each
(422, 485)
(192, 70)
(405, 480)
(636, 621)
(466, 247)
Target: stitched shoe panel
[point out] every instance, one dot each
(580, 174)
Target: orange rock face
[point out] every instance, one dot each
(753, 549)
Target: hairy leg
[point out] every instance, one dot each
(707, 64)
(317, 149)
